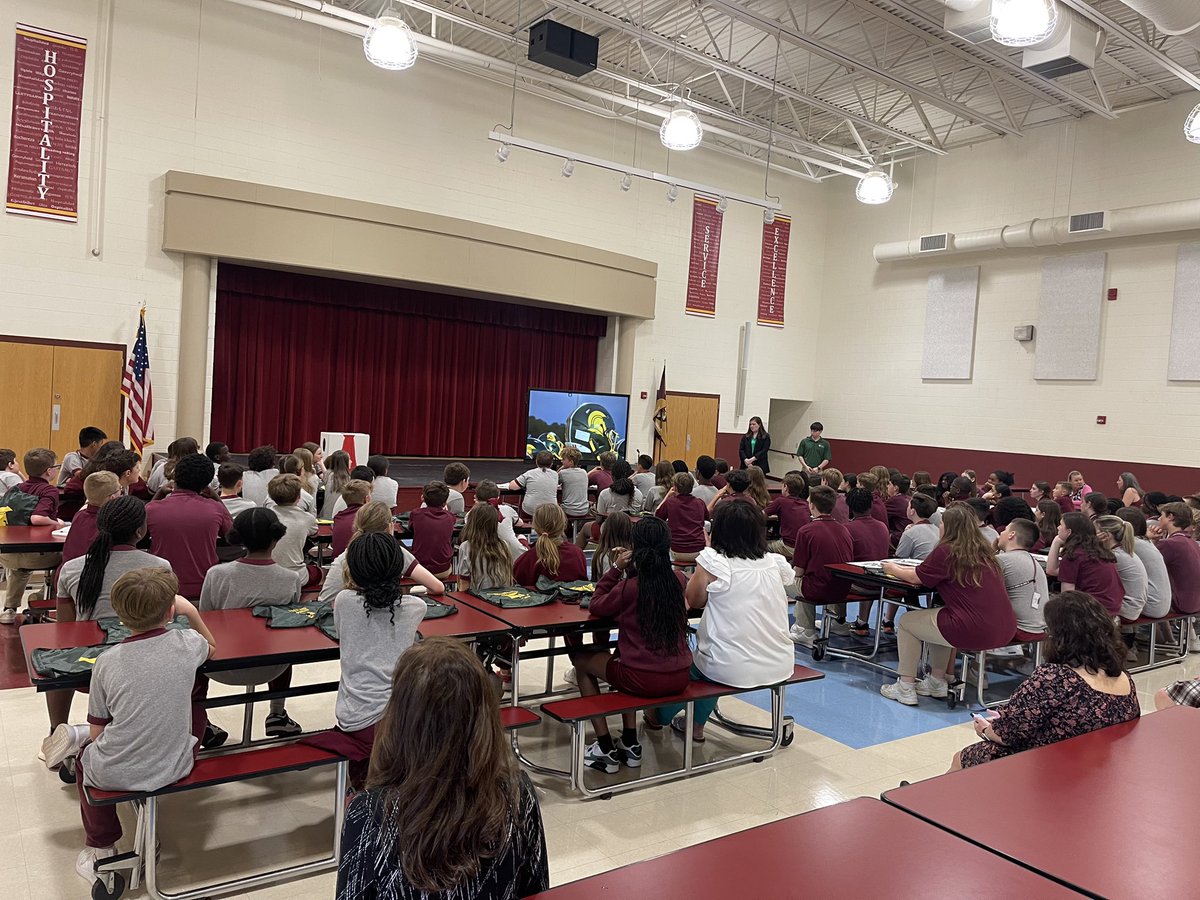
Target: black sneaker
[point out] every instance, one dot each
(860, 629)
(66, 771)
(889, 627)
(282, 725)
(213, 737)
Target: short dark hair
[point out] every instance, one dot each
(902, 483)
(436, 494)
(261, 458)
(645, 461)
(738, 481)
(816, 426)
(859, 501)
(1002, 490)
(118, 462)
(679, 465)
(1096, 502)
(683, 483)
(456, 473)
(1180, 512)
(378, 464)
(7, 458)
(621, 469)
(544, 459)
(1026, 531)
(216, 449)
(1153, 500)
(1134, 517)
(39, 461)
(930, 491)
(823, 498)
(796, 484)
(1114, 505)
(1003, 477)
(1080, 633)
(739, 530)
(722, 465)
(257, 529)
(979, 506)
(961, 488)
(706, 467)
(487, 490)
(1008, 509)
(194, 472)
(924, 505)
(90, 434)
(284, 490)
(228, 475)
(362, 473)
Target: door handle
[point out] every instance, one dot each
(56, 417)
(689, 443)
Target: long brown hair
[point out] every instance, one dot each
(489, 556)
(1083, 539)
(551, 525)
(449, 782)
(615, 534)
(1051, 516)
(970, 552)
(758, 486)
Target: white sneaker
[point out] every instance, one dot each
(8, 616)
(901, 692)
(597, 759)
(85, 862)
(802, 636)
(931, 687)
(570, 677)
(1193, 640)
(63, 742)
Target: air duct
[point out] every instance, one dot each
(1132, 221)
(1178, 18)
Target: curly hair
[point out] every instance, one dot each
(375, 563)
(1081, 634)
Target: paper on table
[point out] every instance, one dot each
(62, 532)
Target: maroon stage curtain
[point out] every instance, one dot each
(424, 374)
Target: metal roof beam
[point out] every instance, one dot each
(1144, 47)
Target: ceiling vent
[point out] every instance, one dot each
(1088, 222)
(973, 24)
(1074, 46)
(932, 243)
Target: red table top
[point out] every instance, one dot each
(805, 855)
(29, 539)
(855, 572)
(529, 618)
(1086, 810)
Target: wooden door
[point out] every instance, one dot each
(26, 371)
(87, 391)
(676, 431)
(691, 426)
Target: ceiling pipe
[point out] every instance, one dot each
(1178, 18)
(1132, 221)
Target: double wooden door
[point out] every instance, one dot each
(691, 426)
(51, 391)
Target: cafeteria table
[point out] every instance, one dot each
(30, 539)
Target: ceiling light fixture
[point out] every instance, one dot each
(681, 129)
(389, 42)
(568, 168)
(723, 205)
(1191, 128)
(626, 182)
(768, 217)
(502, 152)
(1021, 23)
(875, 187)
(673, 193)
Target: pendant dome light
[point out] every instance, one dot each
(875, 187)
(389, 42)
(1022, 23)
(681, 129)
(1191, 128)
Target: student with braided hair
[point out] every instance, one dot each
(376, 623)
(375, 517)
(645, 596)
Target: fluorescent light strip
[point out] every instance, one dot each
(513, 141)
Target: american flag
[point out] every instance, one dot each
(136, 388)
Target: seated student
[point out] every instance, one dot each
(1081, 686)
(1024, 577)
(821, 542)
(1094, 505)
(260, 469)
(229, 477)
(483, 561)
(616, 534)
(1039, 491)
(355, 493)
(645, 597)
(737, 489)
(552, 555)
(977, 614)
(292, 465)
(1129, 490)
(883, 477)
(447, 811)
(257, 580)
(706, 470)
(722, 475)
(487, 492)
(99, 488)
(85, 589)
(1008, 508)
(40, 465)
(758, 486)
(920, 538)
(664, 478)
(1151, 501)
(1062, 496)
(574, 484)
(896, 504)
(184, 526)
(870, 541)
(999, 484)
(685, 516)
(679, 465)
(1082, 563)
(374, 518)
(358, 473)
(143, 724)
(866, 481)
(383, 488)
(982, 513)
(285, 492)
(458, 478)
(432, 527)
(219, 453)
(620, 496)
(10, 474)
(643, 476)
(1047, 516)
(318, 458)
(163, 471)
(1158, 582)
(337, 474)
(1182, 556)
(539, 483)
(111, 457)
(791, 508)
(601, 477)
(832, 479)
(309, 479)
(90, 439)
(742, 637)
(1116, 535)
(375, 623)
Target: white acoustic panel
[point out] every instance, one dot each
(950, 308)
(1183, 363)
(1069, 318)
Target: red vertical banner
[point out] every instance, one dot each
(706, 254)
(43, 156)
(772, 272)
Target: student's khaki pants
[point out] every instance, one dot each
(806, 613)
(20, 566)
(918, 626)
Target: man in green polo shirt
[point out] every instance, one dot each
(814, 450)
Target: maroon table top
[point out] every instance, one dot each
(549, 615)
(29, 539)
(805, 856)
(855, 572)
(1105, 812)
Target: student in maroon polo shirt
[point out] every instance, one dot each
(871, 542)
(356, 492)
(818, 544)
(737, 485)
(896, 505)
(1082, 563)
(41, 469)
(601, 476)
(722, 476)
(792, 510)
(432, 527)
(184, 526)
(99, 488)
(1062, 496)
(685, 516)
(1182, 556)
(832, 479)
(867, 481)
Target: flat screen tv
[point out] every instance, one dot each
(591, 422)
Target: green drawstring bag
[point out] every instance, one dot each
(72, 661)
(437, 610)
(319, 613)
(568, 591)
(115, 631)
(512, 597)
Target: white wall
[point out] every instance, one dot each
(221, 90)
(872, 317)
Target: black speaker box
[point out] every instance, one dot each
(561, 47)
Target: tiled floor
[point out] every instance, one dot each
(232, 830)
